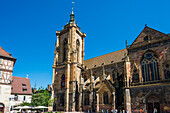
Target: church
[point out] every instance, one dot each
(133, 79)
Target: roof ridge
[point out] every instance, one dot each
(105, 54)
(20, 77)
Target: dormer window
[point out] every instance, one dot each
(24, 90)
(24, 85)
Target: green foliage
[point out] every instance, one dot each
(25, 104)
(41, 98)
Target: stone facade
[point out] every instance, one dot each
(133, 79)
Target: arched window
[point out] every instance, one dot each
(62, 100)
(77, 47)
(64, 49)
(105, 98)
(150, 69)
(1, 107)
(63, 81)
(86, 99)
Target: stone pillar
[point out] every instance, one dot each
(114, 101)
(97, 107)
(127, 100)
(67, 88)
(81, 94)
(127, 90)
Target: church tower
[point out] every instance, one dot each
(67, 67)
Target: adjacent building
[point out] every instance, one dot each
(6, 70)
(134, 79)
(21, 91)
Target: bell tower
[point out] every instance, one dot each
(68, 63)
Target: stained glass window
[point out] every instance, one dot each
(150, 69)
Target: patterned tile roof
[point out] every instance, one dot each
(3, 53)
(21, 85)
(113, 57)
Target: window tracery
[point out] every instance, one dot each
(150, 69)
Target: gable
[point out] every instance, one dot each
(106, 86)
(148, 35)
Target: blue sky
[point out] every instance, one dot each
(27, 29)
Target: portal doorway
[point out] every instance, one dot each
(2, 108)
(153, 103)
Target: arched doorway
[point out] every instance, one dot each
(2, 107)
(153, 103)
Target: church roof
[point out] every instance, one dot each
(21, 85)
(109, 58)
(3, 53)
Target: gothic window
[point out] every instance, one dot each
(167, 72)
(77, 48)
(150, 69)
(62, 100)
(64, 49)
(63, 81)
(105, 98)
(135, 77)
(86, 99)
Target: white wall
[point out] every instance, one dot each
(20, 99)
(5, 92)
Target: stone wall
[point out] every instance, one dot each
(141, 95)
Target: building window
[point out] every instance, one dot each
(16, 98)
(24, 85)
(1, 107)
(86, 99)
(78, 49)
(64, 49)
(62, 100)
(105, 98)
(24, 98)
(24, 90)
(150, 69)
(63, 81)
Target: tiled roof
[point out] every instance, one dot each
(113, 57)
(21, 85)
(3, 53)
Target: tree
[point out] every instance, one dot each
(41, 97)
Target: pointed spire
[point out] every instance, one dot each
(72, 11)
(72, 16)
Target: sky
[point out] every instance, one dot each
(27, 29)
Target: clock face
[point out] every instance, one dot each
(148, 55)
